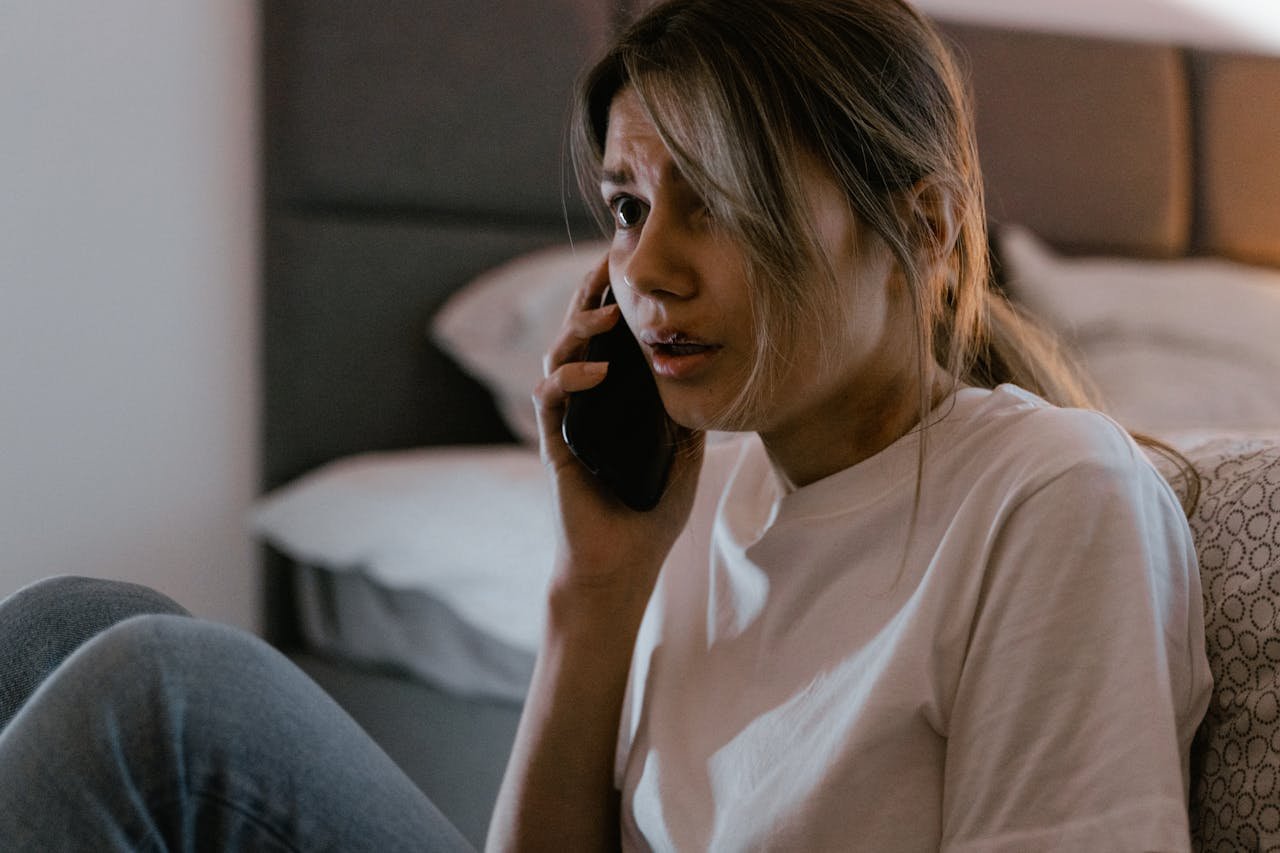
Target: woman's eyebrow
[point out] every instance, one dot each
(621, 176)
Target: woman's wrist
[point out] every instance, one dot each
(599, 608)
(558, 790)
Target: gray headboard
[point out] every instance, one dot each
(410, 145)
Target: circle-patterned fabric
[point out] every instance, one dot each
(1235, 758)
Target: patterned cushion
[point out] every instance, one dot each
(1235, 761)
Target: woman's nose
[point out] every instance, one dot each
(664, 262)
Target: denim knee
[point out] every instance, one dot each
(164, 728)
(70, 596)
(162, 662)
(145, 738)
(46, 621)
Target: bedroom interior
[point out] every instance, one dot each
(419, 245)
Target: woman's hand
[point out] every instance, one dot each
(558, 792)
(603, 543)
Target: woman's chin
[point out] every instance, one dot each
(701, 419)
(690, 418)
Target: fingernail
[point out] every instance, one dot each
(597, 368)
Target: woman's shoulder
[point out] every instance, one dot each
(1018, 428)
(1014, 449)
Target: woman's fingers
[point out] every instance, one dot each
(564, 371)
(591, 290)
(584, 318)
(568, 379)
(551, 395)
(579, 328)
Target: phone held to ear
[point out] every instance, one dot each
(619, 429)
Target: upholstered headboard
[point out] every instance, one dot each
(411, 145)
(1129, 148)
(408, 146)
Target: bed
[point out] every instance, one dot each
(420, 237)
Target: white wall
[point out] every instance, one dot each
(128, 267)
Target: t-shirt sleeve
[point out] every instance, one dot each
(1085, 673)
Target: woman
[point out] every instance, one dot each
(909, 608)
(914, 608)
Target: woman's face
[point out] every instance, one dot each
(682, 286)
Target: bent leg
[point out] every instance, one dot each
(44, 622)
(173, 733)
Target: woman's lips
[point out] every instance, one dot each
(677, 356)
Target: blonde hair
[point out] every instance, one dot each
(747, 93)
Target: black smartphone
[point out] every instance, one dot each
(619, 428)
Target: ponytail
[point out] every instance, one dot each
(1016, 348)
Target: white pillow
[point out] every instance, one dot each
(1171, 344)
(472, 526)
(499, 326)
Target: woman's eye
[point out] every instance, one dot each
(628, 211)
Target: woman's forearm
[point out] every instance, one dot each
(558, 792)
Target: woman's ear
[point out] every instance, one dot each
(932, 206)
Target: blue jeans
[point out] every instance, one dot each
(129, 725)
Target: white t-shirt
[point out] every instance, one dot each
(1026, 676)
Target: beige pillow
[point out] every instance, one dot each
(1235, 758)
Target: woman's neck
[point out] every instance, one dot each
(849, 429)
